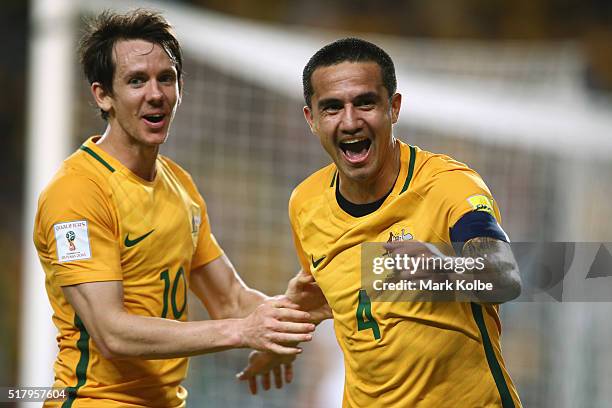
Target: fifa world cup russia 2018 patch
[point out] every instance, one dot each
(481, 203)
(72, 241)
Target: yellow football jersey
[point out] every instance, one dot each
(403, 354)
(97, 221)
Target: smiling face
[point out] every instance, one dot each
(352, 114)
(145, 94)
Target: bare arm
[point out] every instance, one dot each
(499, 268)
(222, 292)
(119, 334)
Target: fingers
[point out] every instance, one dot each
(267, 365)
(278, 376)
(406, 247)
(282, 302)
(253, 385)
(292, 327)
(288, 373)
(305, 278)
(265, 381)
(288, 338)
(283, 350)
(292, 315)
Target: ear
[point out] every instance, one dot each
(309, 118)
(396, 104)
(180, 92)
(102, 97)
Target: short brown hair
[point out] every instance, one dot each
(103, 31)
(352, 50)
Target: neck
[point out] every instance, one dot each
(138, 158)
(375, 187)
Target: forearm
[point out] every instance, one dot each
(222, 291)
(119, 334)
(497, 267)
(127, 335)
(248, 300)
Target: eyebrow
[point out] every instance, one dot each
(324, 103)
(367, 96)
(139, 72)
(327, 102)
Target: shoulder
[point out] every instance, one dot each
(174, 170)
(439, 170)
(173, 166)
(314, 186)
(74, 193)
(76, 179)
(428, 163)
(177, 171)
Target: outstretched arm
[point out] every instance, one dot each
(258, 322)
(495, 257)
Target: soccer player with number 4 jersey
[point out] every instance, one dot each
(123, 233)
(379, 189)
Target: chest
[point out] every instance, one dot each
(158, 225)
(336, 252)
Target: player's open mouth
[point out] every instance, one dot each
(154, 120)
(356, 150)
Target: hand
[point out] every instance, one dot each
(274, 325)
(421, 265)
(305, 292)
(260, 364)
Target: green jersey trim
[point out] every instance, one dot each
(496, 371)
(410, 169)
(81, 368)
(98, 158)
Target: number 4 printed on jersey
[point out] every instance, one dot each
(364, 309)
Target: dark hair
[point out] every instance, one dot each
(351, 50)
(103, 32)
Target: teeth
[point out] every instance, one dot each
(348, 141)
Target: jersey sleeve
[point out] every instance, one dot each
(76, 232)
(295, 229)
(207, 248)
(458, 190)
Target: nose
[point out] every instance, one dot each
(154, 93)
(350, 122)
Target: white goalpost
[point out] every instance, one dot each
(49, 130)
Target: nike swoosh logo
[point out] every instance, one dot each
(316, 262)
(131, 242)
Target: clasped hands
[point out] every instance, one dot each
(303, 293)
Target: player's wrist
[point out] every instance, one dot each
(235, 333)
